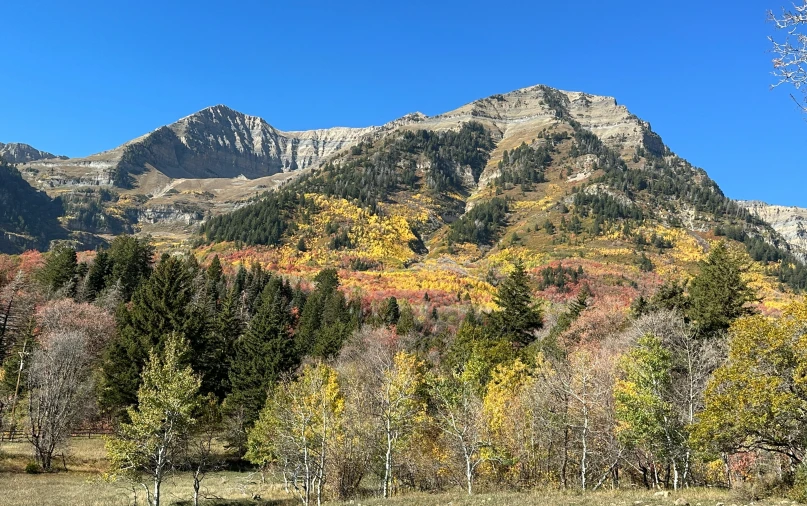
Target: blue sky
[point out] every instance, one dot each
(81, 77)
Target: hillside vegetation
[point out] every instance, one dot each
(529, 297)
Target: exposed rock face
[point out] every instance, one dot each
(15, 152)
(789, 221)
(219, 157)
(169, 214)
(218, 142)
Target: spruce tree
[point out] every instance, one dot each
(97, 275)
(262, 355)
(159, 307)
(517, 317)
(131, 260)
(390, 313)
(718, 294)
(60, 268)
(218, 351)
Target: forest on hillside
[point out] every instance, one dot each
(206, 367)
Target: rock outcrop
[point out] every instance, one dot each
(218, 142)
(789, 221)
(15, 152)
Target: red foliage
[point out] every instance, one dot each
(67, 315)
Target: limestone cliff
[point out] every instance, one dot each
(15, 152)
(789, 221)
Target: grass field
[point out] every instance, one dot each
(83, 485)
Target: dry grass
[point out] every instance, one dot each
(83, 485)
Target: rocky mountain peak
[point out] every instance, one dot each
(16, 152)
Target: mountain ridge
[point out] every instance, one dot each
(542, 149)
(17, 152)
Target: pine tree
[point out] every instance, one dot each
(60, 268)
(719, 294)
(517, 317)
(159, 307)
(262, 355)
(97, 275)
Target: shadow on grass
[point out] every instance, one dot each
(241, 502)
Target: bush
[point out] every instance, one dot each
(32, 468)
(798, 491)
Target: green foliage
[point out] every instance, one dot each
(390, 312)
(605, 206)
(100, 270)
(757, 399)
(645, 264)
(60, 269)
(131, 260)
(369, 177)
(517, 317)
(262, 354)
(264, 222)
(84, 210)
(788, 269)
(643, 410)
(33, 468)
(559, 277)
(481, 224)
(799, 490)
(156, 437)
(326, 321)
(719, 294)
(670, 296)
(524, 165)
(160, 307)
(218, 350)
(299, 427)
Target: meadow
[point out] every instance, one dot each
(83, 483)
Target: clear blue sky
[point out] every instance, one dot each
(81, 77)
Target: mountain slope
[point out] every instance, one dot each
(789, 221)
(216, 142)
(28, 218)
(537, 174)
(15, 152)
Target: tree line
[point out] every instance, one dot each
(341, 399)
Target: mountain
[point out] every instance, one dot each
(558, 179)
(789, 221)
(28, 218)
(15, 152)
(216, 142)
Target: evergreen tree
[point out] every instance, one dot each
(218, 351)
(390, 313)
(97, 275)
(670, 296)
(406, 322)
(517, 317)
(325, 321)
(262, 355)
(131, 260)
(60, 268)
(719, 294)
(159, 307)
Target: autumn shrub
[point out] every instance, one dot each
(798, 492)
